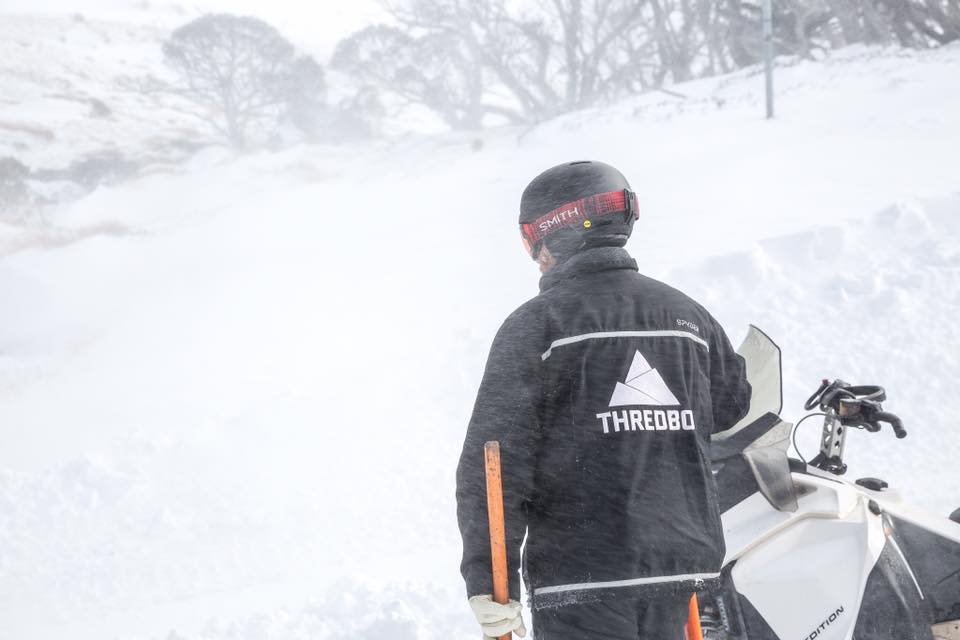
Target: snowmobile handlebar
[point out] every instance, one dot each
(893, 421)
(846, 406)
(855, 405)
(829, 394)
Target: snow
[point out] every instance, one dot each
(232, 396)
(52, 68)
(870, 301)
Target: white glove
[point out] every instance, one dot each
(498, 619)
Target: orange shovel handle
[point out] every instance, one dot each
(693, 620)
(498, 538)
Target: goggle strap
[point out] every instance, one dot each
(574, 213)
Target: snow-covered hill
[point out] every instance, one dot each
(231, 398)
(62, 92)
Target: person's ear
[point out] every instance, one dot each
(545, 259)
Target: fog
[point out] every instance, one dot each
(244, 326)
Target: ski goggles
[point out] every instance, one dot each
(577, 213)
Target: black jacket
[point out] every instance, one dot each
(603, 392)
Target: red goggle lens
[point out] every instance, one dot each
(526, 234)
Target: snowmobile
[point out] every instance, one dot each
(812, 555)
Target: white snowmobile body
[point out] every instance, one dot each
(813, 556)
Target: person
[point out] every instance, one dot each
(603, 392)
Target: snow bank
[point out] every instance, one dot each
(870, 301)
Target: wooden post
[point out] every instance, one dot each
(768, 54)
(498, 538)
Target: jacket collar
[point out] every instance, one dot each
(588, 261)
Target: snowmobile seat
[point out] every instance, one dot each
(762, 444)
(722, 447)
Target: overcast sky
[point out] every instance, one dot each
(316, 26)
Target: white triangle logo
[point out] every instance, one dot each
(643, 386)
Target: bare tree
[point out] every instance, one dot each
(433, 69)
(526, 62)
(923, 23)
(304, 97)
(234, 71)
(14, 192)
(467, 59)
(570, 53)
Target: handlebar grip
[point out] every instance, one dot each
(894, 421)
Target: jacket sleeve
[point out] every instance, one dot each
(729, 388)
(507, 409)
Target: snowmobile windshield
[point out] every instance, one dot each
(762, 357)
